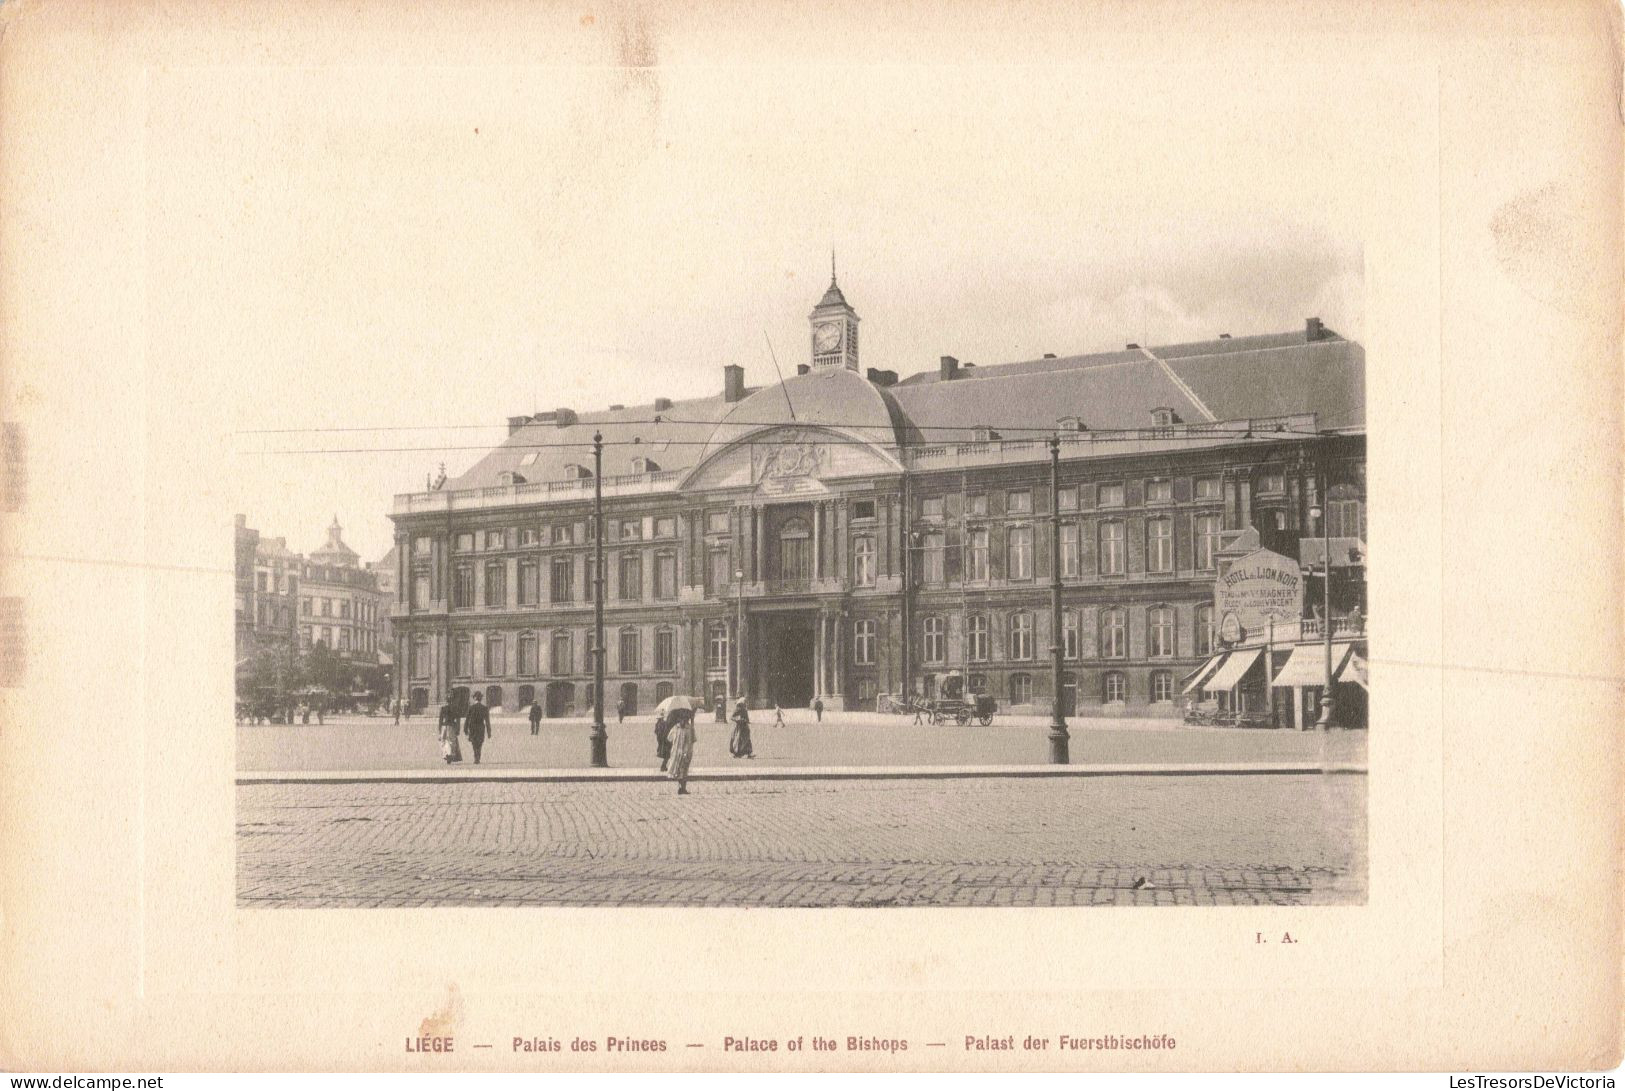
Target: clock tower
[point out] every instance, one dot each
(834, 329)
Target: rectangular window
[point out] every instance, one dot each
(1019, 554)
(422, 545)
(1021, 636)
(1019, 502)
(1206, 533)
(493, 539)
(1159, 491)
(1161, 629)
(631, 530)
(979, 557)
(716, 646)
(665, 575)
(420, 590)
(1116, 688)
(716, 522)
(463, 661)
(420, 657)
(1068, 498)
(1207, 488)
(562, 663)
(665, 527)
(528, 536)
(1069, 635)
(976, 504)
(563, 584)
(934, 645)
(304, 607)
(344, 640)
(1114, 634)
(496, 657)
(1109, 496)
(465, 542)
(721, 576)
(931, 507)
(496, 584)
(530, 583)
(327, 607)
(527, 654)
(631, 586)
(1343, 518)
(462, 587)
(1272, 481)
(863, 509)
(1069, 549)
(344, 608)
(977, 643)
(562, 534)
(1162, 686)
(863, 561)
(1204, 630)
(665, 650)
(1159, 545)
(631, 647)
(932, 568)
(863, 643)
(1111, 548)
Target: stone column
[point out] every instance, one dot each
(818, 658)
(818, 540)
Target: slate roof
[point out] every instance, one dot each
(1224, 379)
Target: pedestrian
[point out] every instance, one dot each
(477, 726)
(397, 705)
(620, 711)
(535, 717)
(722, 710)
(818, 708)
(778, 715)
(449, 749)
(739, 746)
(919, 710)
(663, 739)
(680, 744)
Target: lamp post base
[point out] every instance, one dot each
(1325, 714)
(600, 747)
(1060, 745)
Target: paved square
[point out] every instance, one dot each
(1118, 840)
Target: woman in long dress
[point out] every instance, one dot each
(681, 740)
(739, 746)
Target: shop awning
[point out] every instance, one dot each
(1195, 678)
(1235, 668)
(1307, 667)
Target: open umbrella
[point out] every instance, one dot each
(677, 700)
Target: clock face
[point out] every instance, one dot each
(826, 336)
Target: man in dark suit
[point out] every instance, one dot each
(477, 726)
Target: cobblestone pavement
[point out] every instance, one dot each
(1188, 840)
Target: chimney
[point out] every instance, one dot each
(1049, 356)
(613, 408)
(662, 404)
(882, 378)
(563, 418)
(1313, 330)
(949, 369)
(733, 383)
(1131, 345)
(802, 369)
(516, 423)
(1224, 337)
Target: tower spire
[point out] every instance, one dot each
(832, 266)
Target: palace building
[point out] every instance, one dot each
(850, 535)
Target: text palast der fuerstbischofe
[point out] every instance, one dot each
(855, 1043)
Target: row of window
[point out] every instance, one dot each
(365, 610)
(1112, 635)
(339, 638)
(1158, 490)
(1114, 687)
(561, 581)
(493, 652)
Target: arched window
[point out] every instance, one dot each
(795, 550)
(1114, 688)
(662, 691)
(977, 634)
(934, 647)
(1113, 633)
(1021, 635)
(1021, 689)
(1160, 625)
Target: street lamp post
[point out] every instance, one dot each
(1059, 744)
(600, 734)
(739, 633)
(1321, 512)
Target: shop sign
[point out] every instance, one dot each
(1261, 586)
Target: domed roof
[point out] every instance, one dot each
(831, 398)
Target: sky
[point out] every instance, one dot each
(404, 257)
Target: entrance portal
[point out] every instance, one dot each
(790, 640)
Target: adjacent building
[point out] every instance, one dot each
(849, 535)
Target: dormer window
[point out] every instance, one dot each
(1163, 416)
(984, 434)
(510, 477)
(574, 471)
(642, 465)
(1073, 424)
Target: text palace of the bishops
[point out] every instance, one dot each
(851, 536)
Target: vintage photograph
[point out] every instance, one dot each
(1004, 546)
